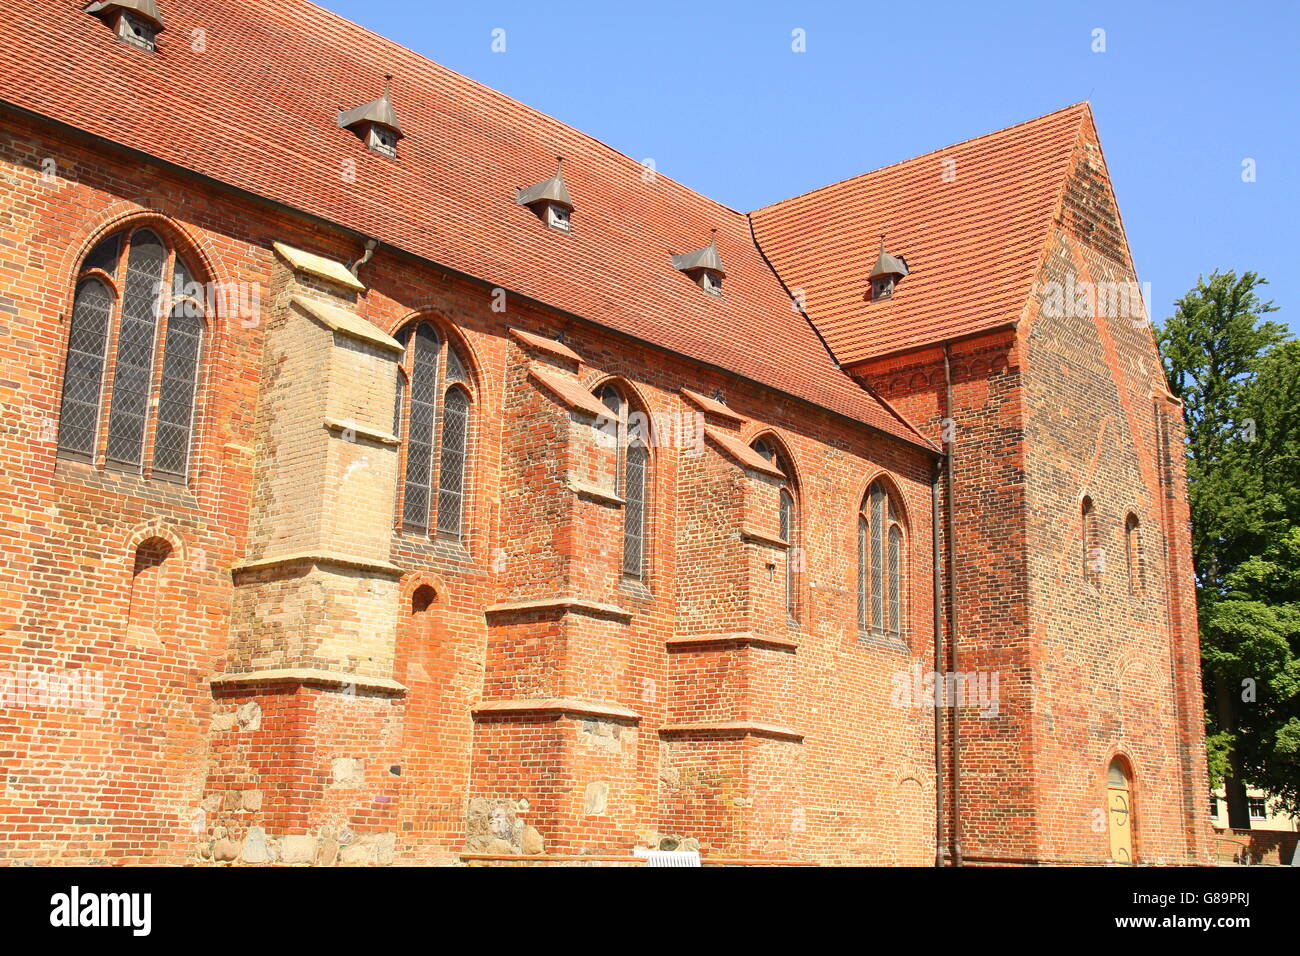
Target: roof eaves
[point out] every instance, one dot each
(361, 236)
(912, 159)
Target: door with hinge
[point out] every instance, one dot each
(1119, 811)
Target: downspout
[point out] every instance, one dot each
(938, 664)
(950, 428)
(370, 251)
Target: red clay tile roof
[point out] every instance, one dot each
(259, 108)
(972, 245)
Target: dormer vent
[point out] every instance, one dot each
(888, 272)
(550, 200)
(376, 122)
(704, 266)
(136, 22)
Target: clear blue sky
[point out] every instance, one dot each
(1183, 93)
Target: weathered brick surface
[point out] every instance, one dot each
(690, 704)
(1092, 661)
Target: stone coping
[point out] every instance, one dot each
(720, 638)
(569, 392)
(543, 344)
(587, 490)
(574, 604)
(334, 558)
(322, 268)
(348, 323)
(756, 728)
(310, 675)
(712, 406)
(364, 431)
(741, 453)
(754, 536)
(553, 705)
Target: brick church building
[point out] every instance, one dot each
(390, 473)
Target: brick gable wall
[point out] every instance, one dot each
(1100, 423)
(1072, 404)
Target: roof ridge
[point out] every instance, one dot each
(1085, 104)
(825, 241)
(448, 203)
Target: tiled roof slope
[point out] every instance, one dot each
(972, 245)
(258, 109)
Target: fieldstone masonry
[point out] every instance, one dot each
(313, 602)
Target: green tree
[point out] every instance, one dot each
(1238, 375)
(1252, 634)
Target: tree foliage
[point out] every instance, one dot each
(1238, 375)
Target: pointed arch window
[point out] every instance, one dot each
(137, 300)
(451, 463)
(148, 583)
(788, 525)
(628, 428)
(1093, 556)
(1133, 551)
(882, 585)
(433, 417)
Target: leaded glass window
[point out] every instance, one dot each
(83, 376)
(432, 417)
(791, 554)
(787, 523)
(451, 468)
(626, 430)
(426, 351)
(882, 565)
(124, 284)
(638, 463)
(141, 293)
(179, 379)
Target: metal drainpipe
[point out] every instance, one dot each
(938, 664)
(952, 605)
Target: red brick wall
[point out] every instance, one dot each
(1267, 847)
(1067, 406)
(816, 759)
(994, 770)
(146, 779)
(1096, 391)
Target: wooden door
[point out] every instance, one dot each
(1119, 812)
